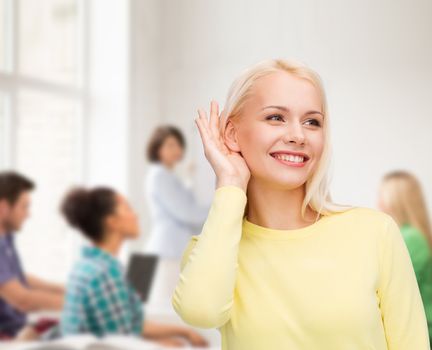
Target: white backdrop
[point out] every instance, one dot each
(375, 59)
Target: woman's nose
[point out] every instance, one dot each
(294, 134)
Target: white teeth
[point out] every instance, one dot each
(290, 158)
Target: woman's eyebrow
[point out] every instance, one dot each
(285, 109)
(314, 112)
(282, 108)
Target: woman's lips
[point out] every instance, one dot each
(293, 160)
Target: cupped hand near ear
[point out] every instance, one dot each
(229, 166)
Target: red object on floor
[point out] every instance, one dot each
(5, 337)
(42, 325)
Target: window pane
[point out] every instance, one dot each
(48, 40)
(48, 151)
(2, 34)
(3, 138)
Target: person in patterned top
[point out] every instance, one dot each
(99, 300)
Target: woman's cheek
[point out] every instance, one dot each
(317, 145)
(253, 149)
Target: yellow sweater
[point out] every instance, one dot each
(345, 282)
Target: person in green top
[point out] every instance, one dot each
(401, 196)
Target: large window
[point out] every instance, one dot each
(4, 24)
(47, 40)
(42, 101)
(3, 132)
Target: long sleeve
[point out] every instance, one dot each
(176, 199)
(204, 294)
(400, 302)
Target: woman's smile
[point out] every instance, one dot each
(293, 159)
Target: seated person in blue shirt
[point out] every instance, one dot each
(20, 293)
(99, 300)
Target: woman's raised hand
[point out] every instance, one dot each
(230, 167)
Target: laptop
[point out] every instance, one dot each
(141, 273)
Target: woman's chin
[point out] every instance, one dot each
(291, 185)
(280, 183)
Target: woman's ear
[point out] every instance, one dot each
(3, 208)
(230, 136)
(110, 223)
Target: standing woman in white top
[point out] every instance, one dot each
(175, 213)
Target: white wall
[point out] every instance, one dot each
(108, 83)
(374, 58)
(144, 98)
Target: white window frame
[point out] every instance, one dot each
(12, 82)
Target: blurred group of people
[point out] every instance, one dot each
(97, 298)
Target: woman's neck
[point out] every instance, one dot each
(277, 209)
(111, 244)
(168, 165)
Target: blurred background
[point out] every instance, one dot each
(83, 84)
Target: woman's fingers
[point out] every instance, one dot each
(214, 118)
(209, 128)
(202, 114)
(214, 123)
(202, 118)
(203, 128)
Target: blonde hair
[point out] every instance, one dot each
(402, 195)
(317, 194)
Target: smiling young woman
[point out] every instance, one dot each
(278, 265)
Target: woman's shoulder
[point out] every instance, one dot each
(156, 169)
(362, 214)
(153, 172)
(87, 272)
(157, 174)
(363, 219)
(411, 231)
(413, 236)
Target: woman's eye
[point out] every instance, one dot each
(275, 117)
(313, 122)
